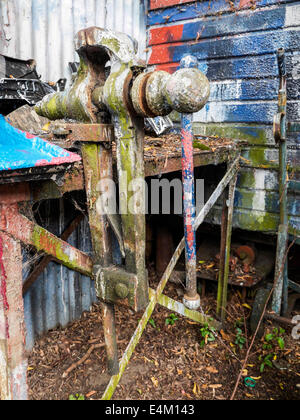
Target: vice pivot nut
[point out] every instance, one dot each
(158, 93)
(121, 290)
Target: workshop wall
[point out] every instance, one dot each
(236, 43)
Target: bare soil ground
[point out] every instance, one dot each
(169, 362)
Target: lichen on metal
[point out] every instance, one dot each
(187, 90)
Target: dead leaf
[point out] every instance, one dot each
(90, 394)
(225, 336)
(210, 266)
(196, 389)
(154, 381)
(211, 369)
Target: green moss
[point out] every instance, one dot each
(112, 43)
(246, 179)
(258, 135)
(201, 146)
(256, 221)
(256, 155)
(45, 242)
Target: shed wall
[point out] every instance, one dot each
(236, 43)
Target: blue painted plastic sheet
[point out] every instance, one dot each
(20, 150)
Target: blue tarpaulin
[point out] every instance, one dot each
(20, 150)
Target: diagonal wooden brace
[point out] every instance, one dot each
(29, 233)
(156, 297)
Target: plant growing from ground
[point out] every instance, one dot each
(273, 342)
(172, 318)
(207, 334)
(240, 339)
(76, 397)
(152, 323)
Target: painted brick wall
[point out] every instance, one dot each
(235, 43)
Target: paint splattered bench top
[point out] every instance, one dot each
(162, 155)
(21, 150)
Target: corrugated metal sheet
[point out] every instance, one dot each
(236, 43)
(59, 295)
(44, 29)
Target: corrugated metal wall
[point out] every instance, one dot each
(59, 295)
(44, 29)
(235, 43)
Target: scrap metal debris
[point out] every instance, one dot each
(20, 84)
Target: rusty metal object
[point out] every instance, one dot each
(139, 96)
(247, 255)
(72, 132)
(158, 93)
(116, 285)
(59, 184)
(95, 47)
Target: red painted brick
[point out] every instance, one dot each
(157, 4)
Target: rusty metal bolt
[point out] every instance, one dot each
(121, 290)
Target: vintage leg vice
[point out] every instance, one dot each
(123, 97)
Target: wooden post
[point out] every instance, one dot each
(13, 363)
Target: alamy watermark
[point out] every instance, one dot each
(158, 196)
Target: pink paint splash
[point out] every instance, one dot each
(70, 158)
(28, 135)
(3, 291)
(73, 157)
